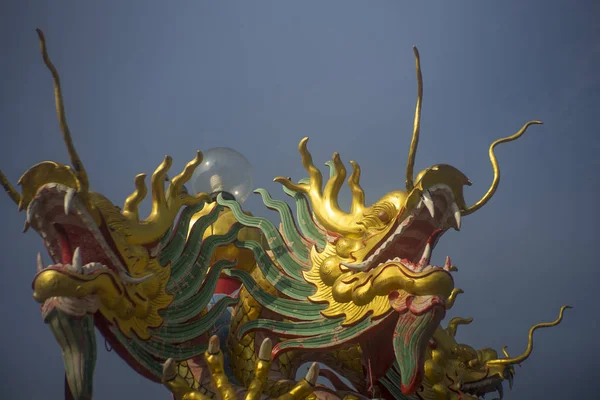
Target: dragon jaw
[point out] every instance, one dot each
(88, 263)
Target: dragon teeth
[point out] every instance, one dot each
(75, 265)
(77, 259)
(426, 256)
(454, 209)
(40, 263)
(69, 199)
(92, 267)
(428, 202)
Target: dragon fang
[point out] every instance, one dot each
(353, 293)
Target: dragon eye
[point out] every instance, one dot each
(383, 216)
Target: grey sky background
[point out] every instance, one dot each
(142, 79)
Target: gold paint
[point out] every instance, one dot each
(164, 206)
(417, 124)
(496, 169)
(527, 353)
(10, 190)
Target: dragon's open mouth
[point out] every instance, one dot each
(74, 242)
(486, 385)
(413, 239)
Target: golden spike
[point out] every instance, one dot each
(324, 202)
(454, 322)
(12, 192)
(174, 190)
(412, 153)
(130, 207)
(334, 184)
(496, 169)
(164, 207)
(527, 353)
(358, 194)
(82, 178)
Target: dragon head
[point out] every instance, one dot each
(457, 371)
(105, 259)
(377, 258)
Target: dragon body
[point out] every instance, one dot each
(214, 302)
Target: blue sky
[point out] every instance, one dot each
(145, 79)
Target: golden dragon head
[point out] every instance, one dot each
(377, 257)
(99, 250)
(456, 371)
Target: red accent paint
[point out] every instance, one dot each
(227, 285)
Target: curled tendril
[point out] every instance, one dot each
(455, 322)
(452, 298)
(527, 353)
(496, 168)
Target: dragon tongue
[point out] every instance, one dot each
(411, 337)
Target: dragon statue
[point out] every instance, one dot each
(214, 302)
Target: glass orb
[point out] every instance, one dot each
(223, 170)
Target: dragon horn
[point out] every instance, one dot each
(83, 183)
(527, 353)
(417, 125)
(12, 192)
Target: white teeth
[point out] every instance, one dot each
(426, 256)
(454, 209)
(130, 279)
(68, 199)
(428, 202)
(359, 267)
(76, 266)
(29, 212)
(92, 267)
(40, 263)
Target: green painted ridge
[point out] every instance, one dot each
(191, 307)
(290, 287)
(208, 246)
(193, 246)
(293, 309)
(291, 328)
(140, 355)
(276, 242)
(304, 216)
(293, 237)
(334, 337)
(395, 390)
(174, 243)
(167, 350)
(185, 332)
(77, 340)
